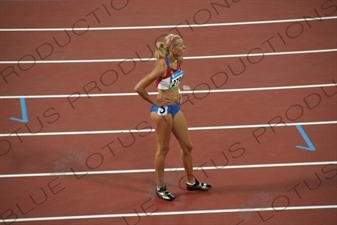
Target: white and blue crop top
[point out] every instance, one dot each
(172, 78)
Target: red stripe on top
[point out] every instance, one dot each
(168, 74)
(169, 71)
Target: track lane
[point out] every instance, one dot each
(232, 189)
(114, 44)
(214, 149)
(99, 113)
(315, 216)
(194, 12)
(282, 70)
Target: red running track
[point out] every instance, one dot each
(87, 178)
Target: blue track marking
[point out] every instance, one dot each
(23, 112)
(310, 147)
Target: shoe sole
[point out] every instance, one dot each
(198, 189)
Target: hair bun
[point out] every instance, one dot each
(160, 45)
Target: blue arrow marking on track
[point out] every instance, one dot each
(310, 147)
(23, 112)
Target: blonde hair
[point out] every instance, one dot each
(162, 48)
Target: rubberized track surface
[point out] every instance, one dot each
(77, 144)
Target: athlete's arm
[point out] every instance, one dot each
(158, 71)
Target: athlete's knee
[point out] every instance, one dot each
(187, 148)
(163, 149)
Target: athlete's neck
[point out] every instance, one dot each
(172, 58)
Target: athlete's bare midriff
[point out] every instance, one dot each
(172, 94)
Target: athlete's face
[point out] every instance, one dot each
(179, 48)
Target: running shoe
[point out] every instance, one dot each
(165, 194)
(199, 186)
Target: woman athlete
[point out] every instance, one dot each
(166, 114)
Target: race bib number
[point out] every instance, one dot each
(162, 111)
(176, 78)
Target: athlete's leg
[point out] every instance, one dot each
(180, 131)
(163, 127)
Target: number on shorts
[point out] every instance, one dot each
(162, 111)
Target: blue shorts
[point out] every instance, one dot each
(163, 110)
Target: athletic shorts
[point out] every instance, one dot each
(163, 110)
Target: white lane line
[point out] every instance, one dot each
(182, 92)
(173, 213)
(251, 166)
(168, 26)
(152, 130)
(185, 57)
